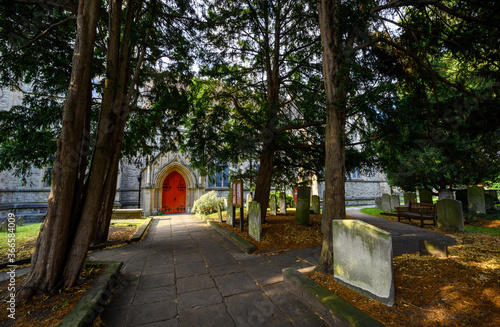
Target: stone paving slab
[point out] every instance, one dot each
(184, 273)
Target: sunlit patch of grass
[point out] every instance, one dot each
(372, 212)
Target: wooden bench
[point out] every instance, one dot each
(416, 210)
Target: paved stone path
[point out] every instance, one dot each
(185, 273)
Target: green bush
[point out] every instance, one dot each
(207, 203)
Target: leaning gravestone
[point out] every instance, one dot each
(273, 208)
(249, 199)
(395, 201)
(461, 196)
(303, 205)
(378, 202)
(3, 227)
(450, 215)
(489, 199)
(410, 197)
(475, 197)
(425, 196)
(283, 203)
(229, 215)
(386, 202)
(316, 204)
(254, 221)
(20, 221)
(356, 246)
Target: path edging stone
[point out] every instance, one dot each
(94, 300)
(326, 304)
(243, 244)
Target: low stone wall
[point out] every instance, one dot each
(126, 214)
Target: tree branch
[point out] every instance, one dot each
(68, 7)
(290, 127)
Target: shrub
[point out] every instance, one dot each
(207, 203)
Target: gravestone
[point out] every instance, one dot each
(3, 227)
(475, 197)
(395, 201)
(446, 194)
(219, 212)
(450, 215)
(273, 207)
(254, 221)
(425, 196)
(461, 196)
(489, 199)
(283, 203)
(378, 202)
(249, 199)
(410, 196)
(356, 246)
(303, 205)
(386, 202)
(435, 249)
(315, 204)
(20, 221)
(229, 215)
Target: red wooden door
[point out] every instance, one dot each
(174, 193)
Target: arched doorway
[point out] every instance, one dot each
(174, 193)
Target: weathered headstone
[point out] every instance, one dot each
(475, 197)
(303, 205)
(249, 199)
(489, 199)
(446, 194)
(356, 246)
(283, 203)
(229, 214)
(378, 202)
(273, 207)
(410, 197)
(395, 201)
(316, 204)
(461, 196)
(450, 215)
(254, 221)
(219, 212)
(20, 221)
(425, 196)
(3, 227)
(386, 202)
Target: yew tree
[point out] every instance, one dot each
(404, 35)
(263, 73)
(137, 42)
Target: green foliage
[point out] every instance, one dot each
(482, 230)
(372, 212)
(207, 203)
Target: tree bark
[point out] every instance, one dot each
(57, 231)
(264, 179)
(335, 78)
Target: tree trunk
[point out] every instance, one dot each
(263, 183)
(335, 87)
(56, 233)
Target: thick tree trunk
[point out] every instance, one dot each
(335, 87)
(101, 229)
(54, 240)
(263, 183)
